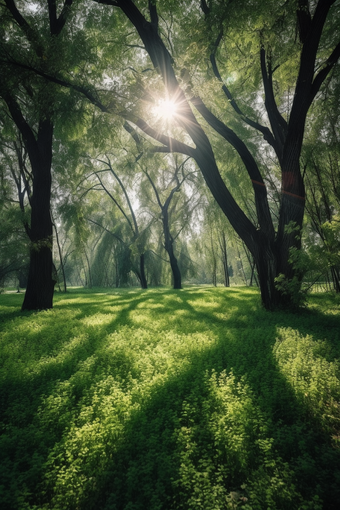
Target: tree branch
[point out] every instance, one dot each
(304, 19)
(116, 202)
(57, 24)
(326, 69)
(63, 83)
(155, 190)
(126, 197)
(106, 230)
(171, 144)
(153, 14)
(267, 135)
(278, 124)
(259, 187)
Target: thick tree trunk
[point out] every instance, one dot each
(40, 284)
(266, 263)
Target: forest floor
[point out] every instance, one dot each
(163, 399)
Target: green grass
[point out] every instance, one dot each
(162, 399)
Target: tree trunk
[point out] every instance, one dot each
(143, 280)
(223, 246)
(168, 245)
(214, 262)
(60, 256)
(176, 273)
(89, 282)
(336, 278)
(40, 284)
(266, 263)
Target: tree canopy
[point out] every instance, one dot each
(248, 90)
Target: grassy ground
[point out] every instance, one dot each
(162, 399)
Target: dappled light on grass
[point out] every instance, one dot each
(168, 400)
(315, 380)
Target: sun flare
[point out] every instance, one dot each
(165, 109)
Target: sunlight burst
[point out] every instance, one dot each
(165, 109)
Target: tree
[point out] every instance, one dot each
(322, 205)
(137, 235)
(35, 44)
(15, 194)
(314, 53)
(176, 178)
(217, 227)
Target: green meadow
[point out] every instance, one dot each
(162, 399)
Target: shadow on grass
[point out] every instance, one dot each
(149, 458)
(171, 447)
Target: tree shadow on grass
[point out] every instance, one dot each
(168, 458)
(152, 470)
(191, 442)
(24, 444)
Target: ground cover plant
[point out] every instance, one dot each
(163, 399)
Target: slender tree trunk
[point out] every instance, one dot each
(168, 245)
(60, 256)
(336, 278)
(242, 268)
(89, 270)
(143, 280)
(226, 272)
(253, 275)
(214, 262)
(223, 245)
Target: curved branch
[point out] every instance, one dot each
(326, 69)
(171, 144)
(126, 197)
(249, 162)
(24, 25)
(267, 135)
(278, 123)
(106, 230)
(63, 83)
(116, 202)
(155, 190)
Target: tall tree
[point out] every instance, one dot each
(169, 206)
(119, 196)
(223, 27)
(41, 39)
